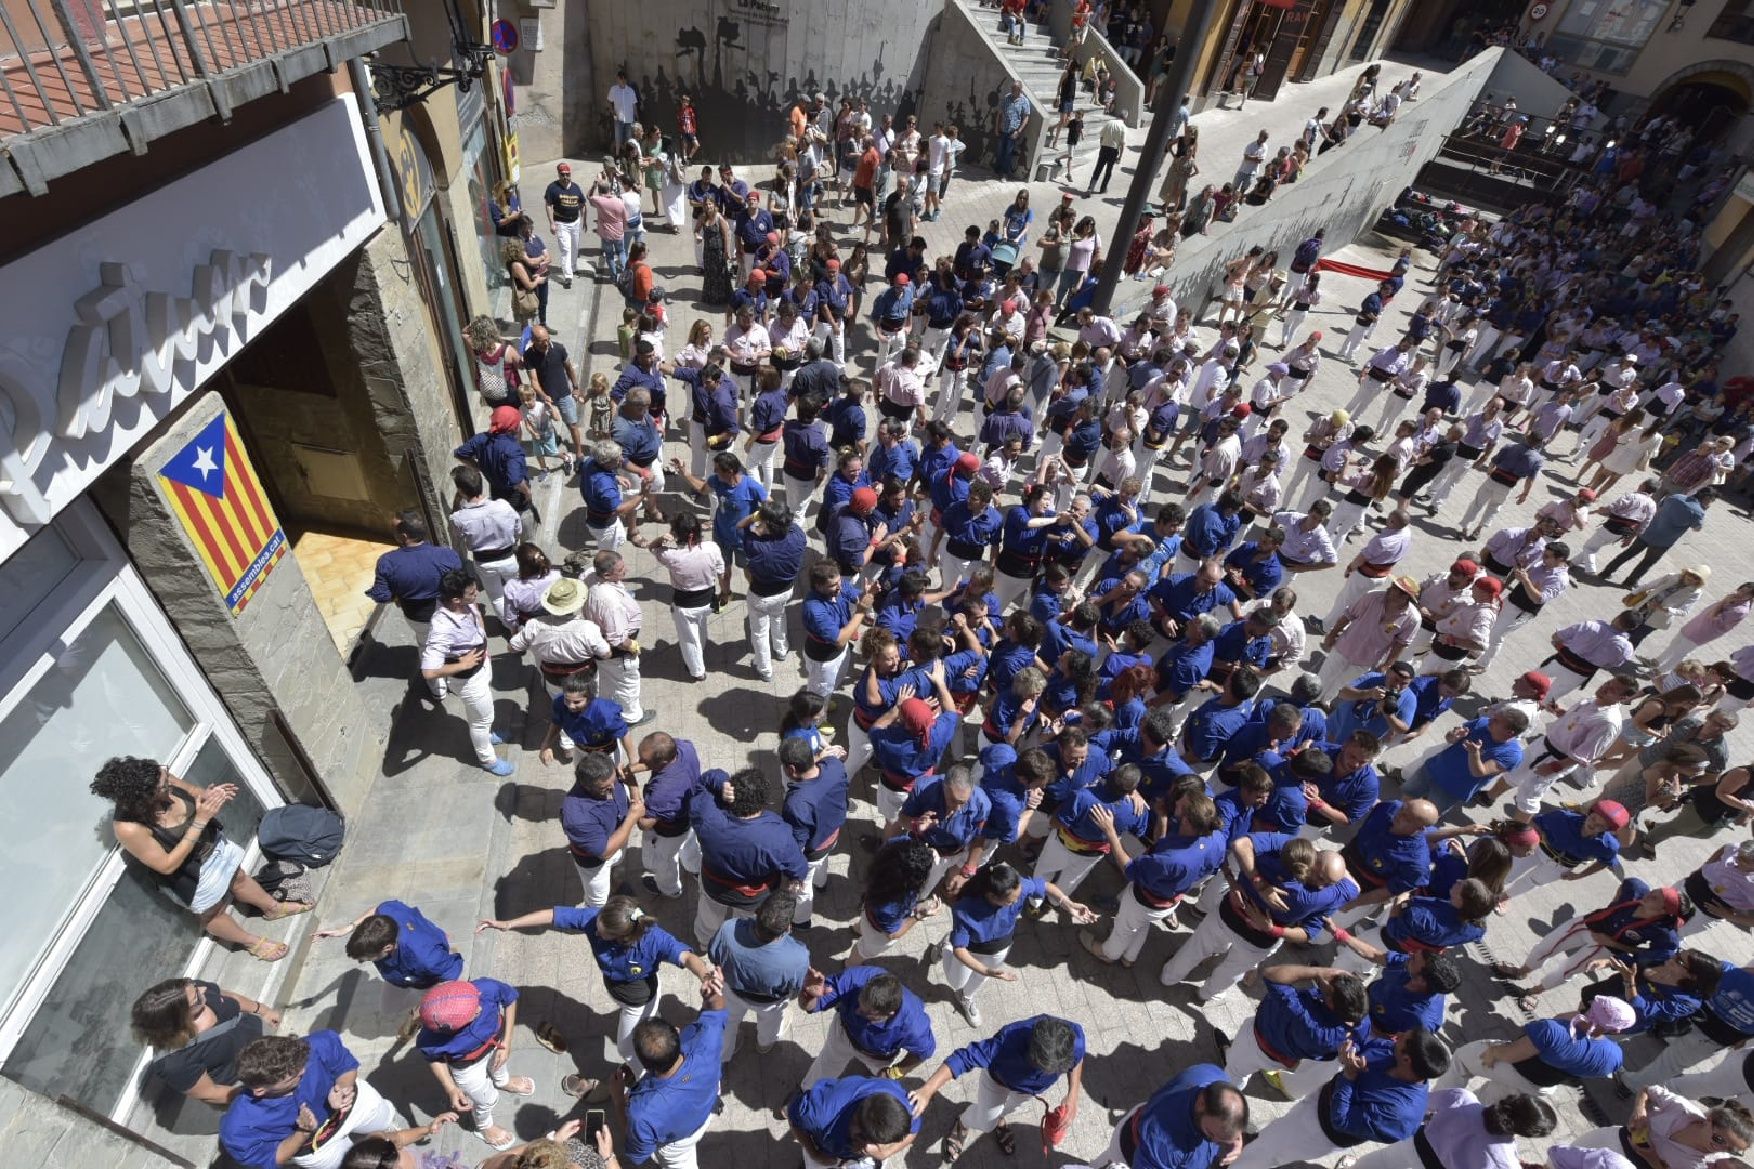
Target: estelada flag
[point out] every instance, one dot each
(216, 494)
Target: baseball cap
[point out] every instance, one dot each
(968, 462)
(901, 279)
(1614, 812)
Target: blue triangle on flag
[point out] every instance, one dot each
(201, 464)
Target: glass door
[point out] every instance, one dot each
(95, 670)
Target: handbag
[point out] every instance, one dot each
(524, 301)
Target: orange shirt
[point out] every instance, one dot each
(865, 174)
(799, 121)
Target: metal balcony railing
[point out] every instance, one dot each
(61, 60)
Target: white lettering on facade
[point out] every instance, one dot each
(129, 339)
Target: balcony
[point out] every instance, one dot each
(81, 80)
(1735, 25)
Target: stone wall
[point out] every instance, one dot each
(36, 1131)
(1342, 191)
(963, 80)
(275, 660)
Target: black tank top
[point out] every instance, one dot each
(187, 877)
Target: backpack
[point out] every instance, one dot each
(308, 835)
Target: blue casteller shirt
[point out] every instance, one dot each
(1207, 533)
(817, 808)
(1364, 714)
(774, 562)
(1182, 600)
(1353, 793)
(953, 832)
(253, 1127)
(1183, 666)
(1394, 1007)
(1399, 863)
(423, 957)
(1428, 700)
(909, 1029)
(1425, 923)
(589, 822)
(1166, 1132)
(761, 971)
(742, 860)
(1376, 1106)
(665, 1109)
(902, 757)
(825, 617)
(1562, 838)
(412, 574)
(1211, 726)
(598, 727)
(977, 922)
(501, 459)
(1175, 864)
(619, 961)
(1293, 1023)
(672, 788)
(737, 501)
(1449, 772)
(1005, 1056)
(825, 1112)
(1561, 1048)
(468, 1040)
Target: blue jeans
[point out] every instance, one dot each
(1418, 786)
(1069, 279)
(1006, 155)
(623, 135)
(615, 256)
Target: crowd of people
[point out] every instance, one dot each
(1041, 570)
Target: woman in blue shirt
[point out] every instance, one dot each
(1566, 1050)
(982, 924)
(629, 947)
(893, 890)
(1023, 542)
(1018, 217)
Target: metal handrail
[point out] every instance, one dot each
(62, 59)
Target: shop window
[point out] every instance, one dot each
(1733, 24)
(1605, 35)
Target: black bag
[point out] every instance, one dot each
(302, 833)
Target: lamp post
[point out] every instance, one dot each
(1163, 118)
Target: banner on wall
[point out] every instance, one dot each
(215, 492)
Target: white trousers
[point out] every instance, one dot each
(951, 384)
(837, 1052)
(859, 749)
(771, 1021)
(709, 915)
(1574, 943)
(1502, 1079)
(1724, 1080)
(1346, 520)
(1355, 337)
(951, 567)
(1400, 1155)
(1453, 473)
(619, 681)
(666, 856)
(873, 942)
(626, 1019)
(1296, 1136)
(681, 1153)
(1061, 866)
(371, 1114)
(481, 1082)
(1688, 1052)
(1483, 344)
(1337, 669)
(823, 678)
(1585, 557)
(1532, 871)
(1487, 503)
(1565, 680)
(1291, 326)
(816, 879)
(493, 574)
(801, 495)
(766, 619)
(598, 880)
(1678, 651)
(960, 978)
(992, 1103)
(1009, 589)
(566, 238)
(761, 460)
(476, 691)
(691, 636)
(1132, 928)
(610, 537)
(1509, 620)
(1213, 938)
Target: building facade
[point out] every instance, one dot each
(238, 345)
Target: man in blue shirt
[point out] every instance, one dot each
(815, 807)
(949, 813)
(598, 816)
(1389, 855)
(856, 1120)
(674, 767)
(764, 968)
(409, 574)
(895, 456)
(1477, 751)
(1023, 1061)
(1195, 1121)
(1208, 533)
(1352, 787)
(668, 1110)
(1178, 599)
(879, 1023)
(1302, 1019)
(773, 552)
(499, 455)
(407, 948)
(1676, 516)
(294, 1088)
(1379, 1096)
(1014, 111)
(1382, 702)
(1158, 878)
(466, 1031)
(746, 851)
(835, 612)
(738, 495)
(1210, 727)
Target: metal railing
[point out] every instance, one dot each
(66, 59)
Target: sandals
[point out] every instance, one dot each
(268, 950)
(952, 1145)
(1530, 1002)
(549, 1036)
(1506, 972)
(1005, 1139)
(519, 1086)
(286, 909)
(506, 1140)
(580, 1086)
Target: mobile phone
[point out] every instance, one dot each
(595, 1119)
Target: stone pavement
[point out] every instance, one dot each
(441, 834)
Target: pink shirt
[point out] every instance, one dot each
(611, 216)
(1715, 621)
(1370, 634)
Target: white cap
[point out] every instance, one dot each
(1631, 357)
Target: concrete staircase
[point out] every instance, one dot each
(1037, 62)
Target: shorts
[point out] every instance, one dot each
(221, 865)
(865, 196)
(734, 557)
(692, 141)
(1066, 107)
(545, 443)
(569, 409)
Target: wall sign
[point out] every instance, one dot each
(1538, 12)
(219, 499)
(103, 348)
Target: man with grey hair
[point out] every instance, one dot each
(817, 375)
(1181, 672)
(617, 615)
(606, 504)
(642, 441)
(947, 813)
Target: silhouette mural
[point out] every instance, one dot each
(745, 62)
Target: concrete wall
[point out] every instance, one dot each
(37, 1131)
(275, 659)
(1535, 92)
(1342, 191)
(554, 88)
(964, 79)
